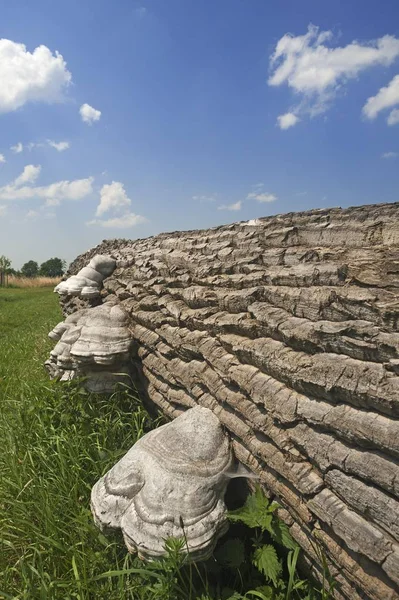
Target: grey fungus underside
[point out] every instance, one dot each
(287, 328)
(93, 343)
(175, 475)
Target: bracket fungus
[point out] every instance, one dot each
(87, 282)
(93, 343)
(171, 483)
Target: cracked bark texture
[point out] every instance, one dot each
(287, 327)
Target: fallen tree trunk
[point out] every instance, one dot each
(288, 329)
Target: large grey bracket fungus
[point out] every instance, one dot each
(87, 282)
(174, 476)
(93, 343)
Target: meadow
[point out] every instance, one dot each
(56, 441)
(32, 282)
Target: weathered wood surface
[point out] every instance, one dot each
(288, 329)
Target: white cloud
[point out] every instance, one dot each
(124, 222)
(287, 120)
(26, 77)
(3, 210)
(393, 118)
(32, 214)
(261, 197)
(89, 114)
(316, 72)
(390, 155)
(53, 193)
(2, 158)
(235, 206)
(112, 196)
(387, 97)
(28, 175)
(17, 148)
(59, 146)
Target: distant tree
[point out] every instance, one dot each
(5, 263)
(11, 271)
(54, 267)
(30, 269)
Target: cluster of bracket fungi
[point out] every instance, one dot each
(93, 343)
(172, 482)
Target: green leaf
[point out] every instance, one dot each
(235, 596)
(265, 559)
(265, 593)
(231, 553)
(256, 512)
(281, 534)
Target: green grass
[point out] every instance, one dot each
(55, 442)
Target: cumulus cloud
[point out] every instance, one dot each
(40, 76)
(387, 97)
(17, 148)
(287, 120)
(2, 158)
(123, 222)
(28, 175)
(59, 146)
(52, 194)
(315, 72)
(89, 114)
(112, 197)
(393, 118)
(390, 155)
(235, 206)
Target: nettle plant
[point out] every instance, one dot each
(257, 560)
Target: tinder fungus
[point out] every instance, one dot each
(171, 483)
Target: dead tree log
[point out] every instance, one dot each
(287, 327)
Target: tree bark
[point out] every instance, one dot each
(287, 327)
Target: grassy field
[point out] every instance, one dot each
(56, 441)
(32, 282)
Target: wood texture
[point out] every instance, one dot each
(288, 329)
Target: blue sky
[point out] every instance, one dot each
(163, 115)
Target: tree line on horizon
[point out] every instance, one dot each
(53, 267)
